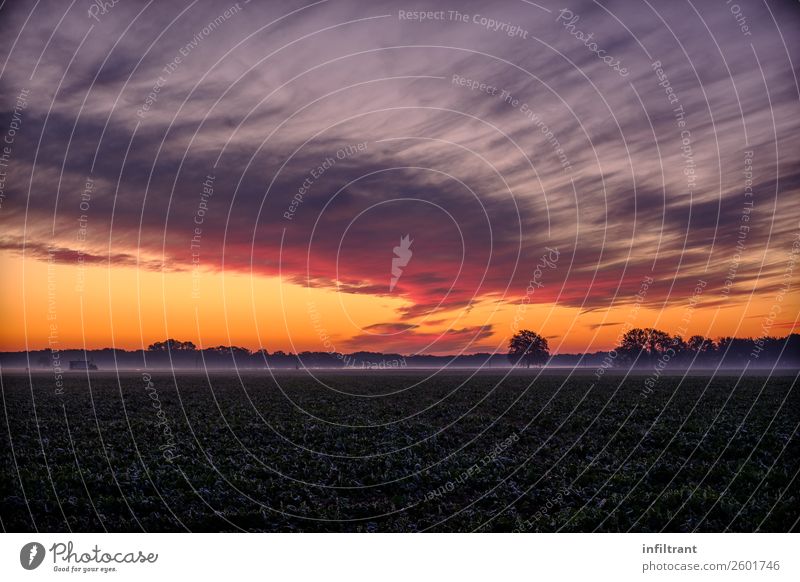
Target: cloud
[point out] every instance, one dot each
(74, 257)
(461, 340)
(594, 326)
(593, 164)
(390, 328)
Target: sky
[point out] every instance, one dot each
(245, 173)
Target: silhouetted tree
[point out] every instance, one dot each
(658, 341)
(698, 344)
(680, 346)
(528, 347)
(644, 344)
(171, 345)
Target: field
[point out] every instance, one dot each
(398, 451)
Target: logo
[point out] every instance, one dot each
(31, 555)
(402, 256)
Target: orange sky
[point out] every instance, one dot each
(127, 307)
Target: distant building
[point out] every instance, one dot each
(82, 365)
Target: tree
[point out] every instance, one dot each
(701, 349)
(633, 343)
(658, 342)
(699, 344)
(646, 344)
(171, 345)
(528, 347)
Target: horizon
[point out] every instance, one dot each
(256, 351)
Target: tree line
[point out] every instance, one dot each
(648, 346)
(639, 347)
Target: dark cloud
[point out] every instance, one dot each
(62, 255)
(461, 340)
(389, 328)
(595, 326)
